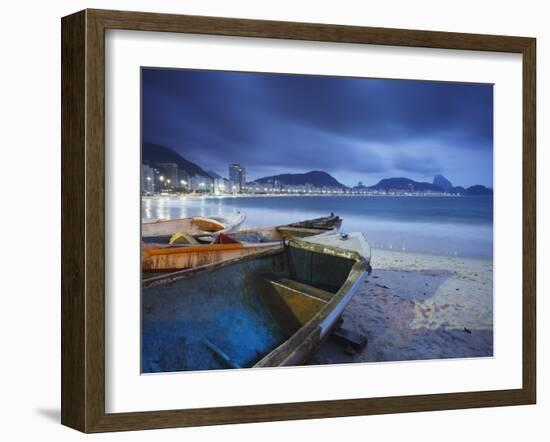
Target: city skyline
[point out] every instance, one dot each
(354, 129)
(165, 177)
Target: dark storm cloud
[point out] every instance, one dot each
(350, 127)
(423, 165)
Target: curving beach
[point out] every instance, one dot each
(419, 306)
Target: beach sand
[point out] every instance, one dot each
(419, 306)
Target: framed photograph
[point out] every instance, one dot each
(270, 220)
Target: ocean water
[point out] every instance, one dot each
(441, 225)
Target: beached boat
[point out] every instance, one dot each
(326, 225)
(272, 308)
(161, 231)
(203, 249)
(326, 222)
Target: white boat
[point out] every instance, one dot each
(194, 225)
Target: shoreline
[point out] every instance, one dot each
(279, 195)
(413, 254)
(385, 257)
(451, 227)
(418, 306)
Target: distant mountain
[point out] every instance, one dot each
(407, 184)
(315, 178)
(155, 153)
(478, 190)
(441, 181)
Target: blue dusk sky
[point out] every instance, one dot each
(356, 129)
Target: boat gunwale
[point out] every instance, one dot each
(188, 273)
(334, 221)
(161, 251)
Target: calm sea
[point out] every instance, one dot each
(451, 226)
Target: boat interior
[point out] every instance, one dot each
(235, 314)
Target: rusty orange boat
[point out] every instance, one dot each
(192, 253)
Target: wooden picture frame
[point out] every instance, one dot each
(83, 220)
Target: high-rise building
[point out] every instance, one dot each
(170, 176)
(183, 177)
(201, 184)
(237, 174)
(220, 185)
(147, 179)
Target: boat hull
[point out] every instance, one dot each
(272, 308)
(172, 259)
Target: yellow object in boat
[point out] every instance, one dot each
(182, 238)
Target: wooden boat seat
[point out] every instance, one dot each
(304, 289)
(294, 300)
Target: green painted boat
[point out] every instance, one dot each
(269, 309)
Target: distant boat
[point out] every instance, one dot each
(268, 309)
(201, 250)
(162, 230)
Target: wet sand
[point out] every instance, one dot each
(418, 306)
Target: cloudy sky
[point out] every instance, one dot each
(356, 129)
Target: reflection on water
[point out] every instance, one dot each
(456, 226)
